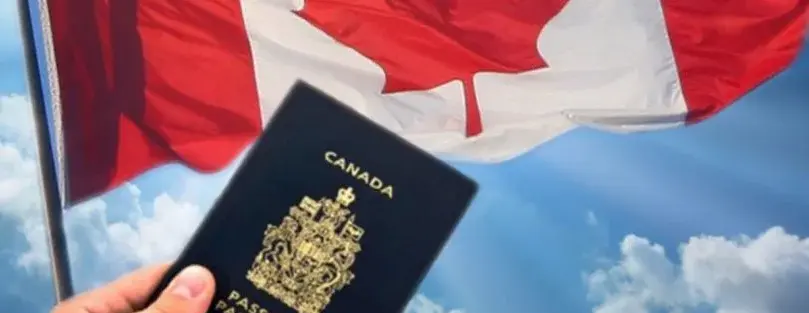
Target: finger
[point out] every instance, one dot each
(126, 294)
(190, 291)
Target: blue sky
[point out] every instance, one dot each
(699, 219)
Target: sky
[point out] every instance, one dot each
(710, 218)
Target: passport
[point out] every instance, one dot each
(328, 212)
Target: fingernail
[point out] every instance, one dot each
(189, 283)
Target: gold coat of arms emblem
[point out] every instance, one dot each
(308, 257)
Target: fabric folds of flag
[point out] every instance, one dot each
(137, 84)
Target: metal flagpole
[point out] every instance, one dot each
(60, 265)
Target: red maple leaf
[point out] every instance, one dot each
(421, 44)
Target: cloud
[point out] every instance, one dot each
(18, 169)
(16, 174)
(17, 123)
(19, 187)
(17, 155)
(159, 237)
(101, 249)
(766, 274)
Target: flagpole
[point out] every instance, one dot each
(60, 265)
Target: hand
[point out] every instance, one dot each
(190, 292)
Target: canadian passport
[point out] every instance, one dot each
(328, 212)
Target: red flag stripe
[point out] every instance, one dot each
(723, 49)
(148, 82)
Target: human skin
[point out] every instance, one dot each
(189, 292)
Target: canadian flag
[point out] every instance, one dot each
(136, 84)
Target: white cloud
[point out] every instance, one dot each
(17, 157)
(115, 246)
(18, 170)
(159, 237)
(35, 258)
(100, 249)
(19, 188)
(766, 274)
(16, 174)
(17, 124)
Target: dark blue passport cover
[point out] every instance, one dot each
(329, 212)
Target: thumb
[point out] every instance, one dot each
(190, 292)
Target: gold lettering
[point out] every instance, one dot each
(341, 163)
(236, 303)
(234, 295)
(356, 171)
(243, 303)
(376, 183)
(363, 177)
(352, 169)
(330, 156)
(388, 191)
